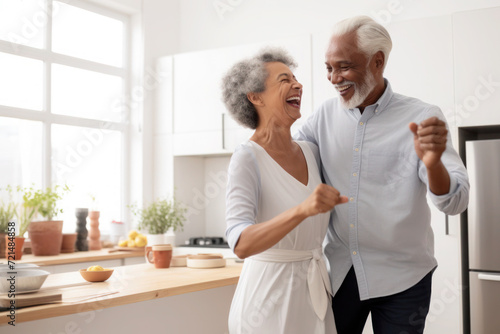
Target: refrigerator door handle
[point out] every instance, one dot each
(489, 277)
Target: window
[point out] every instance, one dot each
(64, 73)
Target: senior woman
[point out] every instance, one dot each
(277, 208)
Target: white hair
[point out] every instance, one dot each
(371, 36)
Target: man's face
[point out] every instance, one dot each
(348, 69)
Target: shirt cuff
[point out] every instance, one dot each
(233, 234)
(437, 199)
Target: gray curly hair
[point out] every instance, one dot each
(249, 76)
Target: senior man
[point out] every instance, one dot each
(386, 152)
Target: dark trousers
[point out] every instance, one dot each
(401, 313)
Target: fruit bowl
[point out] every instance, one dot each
(96, 276)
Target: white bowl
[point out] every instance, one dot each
(22, 280)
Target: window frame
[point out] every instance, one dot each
(47, 118)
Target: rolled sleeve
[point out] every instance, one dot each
(242, 193)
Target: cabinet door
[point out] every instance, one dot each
(477, 73)
(421, 62)
(197, 105)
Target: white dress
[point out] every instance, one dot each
(274, 297)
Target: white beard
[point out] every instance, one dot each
(360, 92)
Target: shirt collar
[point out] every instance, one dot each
(384, 100)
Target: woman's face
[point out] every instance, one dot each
(282, 97)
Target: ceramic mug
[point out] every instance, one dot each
(146, 252)
(160, 255)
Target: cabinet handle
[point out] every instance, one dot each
(223, 131)
(489, 277)
(446, 225)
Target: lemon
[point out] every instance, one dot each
(95, 268)
(140, 240)
(123, 243)
(132, 234)
(130, 243)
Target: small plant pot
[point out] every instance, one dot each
(18, 247)
(2, 245)
(46, 237)
(68, 243)
(155, 239)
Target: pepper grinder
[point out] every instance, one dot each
(81, 229)
(95, 234)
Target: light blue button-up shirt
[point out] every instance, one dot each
(384, 231)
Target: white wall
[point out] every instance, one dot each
(217, 23)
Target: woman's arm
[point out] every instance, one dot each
(257, 238)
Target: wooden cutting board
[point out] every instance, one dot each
(32, 299)
(127, 249)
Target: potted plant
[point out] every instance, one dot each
(23, 215)
(158, 217)
(7, 212)
(45, 235)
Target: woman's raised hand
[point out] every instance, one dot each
(322, 200)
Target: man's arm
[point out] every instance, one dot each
(430, 143)
(442, 169)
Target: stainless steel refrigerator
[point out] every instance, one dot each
(483, 165)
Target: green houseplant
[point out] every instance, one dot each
(44, 232)
(159, 217)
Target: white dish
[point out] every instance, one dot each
(23, 280)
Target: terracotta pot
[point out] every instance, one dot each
(68, 242)
(18, 248)
(46, 237)
(2, 245)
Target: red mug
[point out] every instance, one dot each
(160, 255)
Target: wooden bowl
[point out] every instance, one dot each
(205, 256)
(179, 260)
(205, 263)
(96, 276)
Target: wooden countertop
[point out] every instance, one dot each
(133, 283)
(77, 257)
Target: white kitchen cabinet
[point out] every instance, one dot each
(201, 125)
(421, 62)
(477, 73)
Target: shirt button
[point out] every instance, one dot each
(354, 174)
(376, 110)
(352, 225)
(351, 199)
(356, 149)
(361, 123)
(354, 253)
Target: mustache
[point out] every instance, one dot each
(344, 83)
